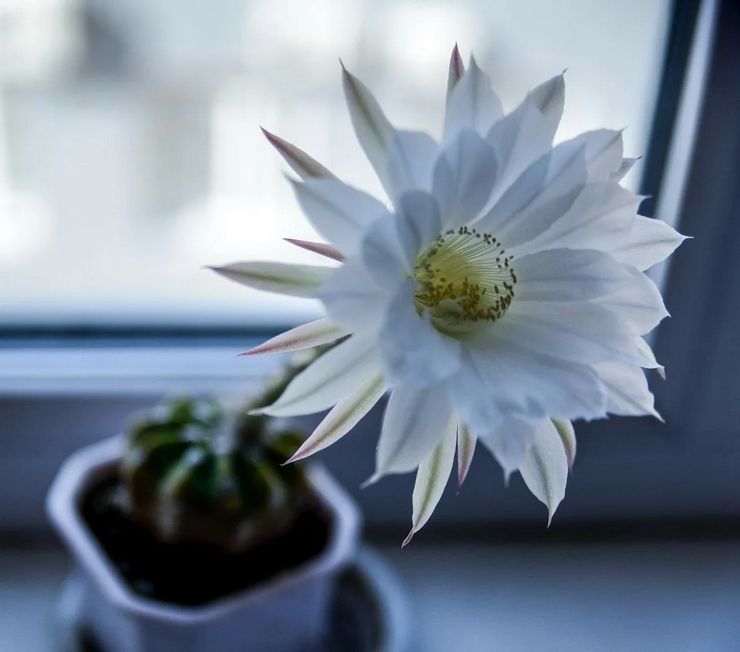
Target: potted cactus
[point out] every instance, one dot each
(190, 534)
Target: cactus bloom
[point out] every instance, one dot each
(499, 295)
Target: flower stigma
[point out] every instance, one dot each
(464, 277)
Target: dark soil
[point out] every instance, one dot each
(194, 574)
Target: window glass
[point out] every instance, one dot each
(130, 153)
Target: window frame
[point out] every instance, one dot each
(48, 419)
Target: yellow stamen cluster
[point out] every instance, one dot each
(464, 277)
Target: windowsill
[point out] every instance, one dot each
(474, 597)
(133, 369)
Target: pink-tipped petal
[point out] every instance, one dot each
(456, 70)
(305, 336)
(300, 162)
(320, 248)
(282, 278)
(344, 416)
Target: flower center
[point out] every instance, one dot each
(464, 277)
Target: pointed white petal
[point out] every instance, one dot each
(374, 131)
(649, 242)
(602, 213)
(414, 352)
(463, 178)
(537, 383)
(301, 163)
(352, 299)
(282, 278)
(582, 332)
(482, 408)
(339, 212)
(510, 441)
(538, 198)
(602, 152)
(320, 248)
(638, 302)
(338, 373)
(431, 479)
(626, 165)
(455, 72)
(414, 423)
(526, 134)
(472, 104)
(411, 158)
(568, 437)
(466, 441)
(647, 357)
(417, 222)
(628, 393)
(549, 98)
(567, 275)
(390, 246)
(344, 416)
(305, 336)
(545, 468)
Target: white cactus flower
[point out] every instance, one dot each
(501, 296)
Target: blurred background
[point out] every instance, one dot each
(130, 149)
(131, 156)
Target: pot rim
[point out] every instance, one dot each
(88, 464)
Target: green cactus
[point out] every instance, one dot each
(194, 472)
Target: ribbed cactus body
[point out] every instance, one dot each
(195, 473)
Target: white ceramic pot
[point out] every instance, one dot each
(286, 614)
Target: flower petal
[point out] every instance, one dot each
(305, 336)
(567, 275)
(455, 72)
(431, 479)
(301, 163)
(501, 381)
(472, 104)
(282, 278)
(414, 352)
(466, 441)
(637, 301)
(549, 98)
(568, 437)
(541, 195)
(339, 212)
(374, 131)
(463, 178)
(518, 378)
(627, 389)
(320, 248)
(582, 332)
(338, 373)
(545, 467)
(601, 213)
(510, 441)
(344, 416)
(411, 159)
(472, 396)
(414, 423)
(525, 134)
(602, 150)
(390, 246)
(352, 299)
(649, 241)
(626, 165)
(647, 357)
